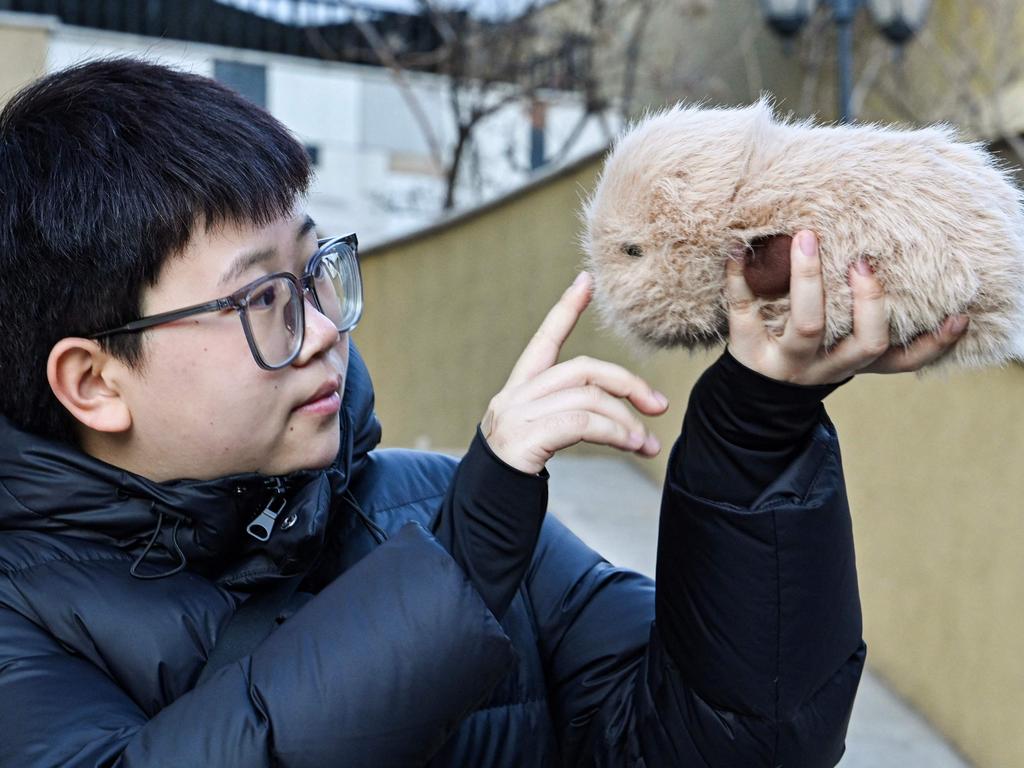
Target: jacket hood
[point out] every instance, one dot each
(52, 486)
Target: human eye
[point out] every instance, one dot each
(263, 297)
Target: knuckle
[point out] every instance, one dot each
(948, 337)
(578, 420)
(808, 271)
(540, 337)
(739, 304)
(809, 329)
(622, 434)
(925, 344)
(876, 347)
(902, 364)
(872, 292)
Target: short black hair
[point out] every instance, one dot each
(107, 169)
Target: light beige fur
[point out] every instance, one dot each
(938, 220)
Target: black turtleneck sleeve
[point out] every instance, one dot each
(490, 520)
(744, 426)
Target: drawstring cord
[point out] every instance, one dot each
(149, 546)
(375, 530)
(379, 535)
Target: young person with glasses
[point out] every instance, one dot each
(206, 561)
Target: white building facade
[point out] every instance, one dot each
(375, 172)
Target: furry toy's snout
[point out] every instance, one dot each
(685, 190)
(766, 266)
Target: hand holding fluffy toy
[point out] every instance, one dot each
(689, 190)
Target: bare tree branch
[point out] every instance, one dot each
(492, 63)
(632, 55)
(387, 57)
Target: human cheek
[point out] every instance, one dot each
(339, 357)
(209, 376)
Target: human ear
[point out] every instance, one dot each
(84, 379)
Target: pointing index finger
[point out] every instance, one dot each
(542, 351)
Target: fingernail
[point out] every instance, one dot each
(651, 444)
(581, 278)
(863, 267)
(636, 439)
(959, 324)
(808, 244)
(662, 400)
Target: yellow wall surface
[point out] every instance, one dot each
(23, 50)
(935, 471)
(935, 466)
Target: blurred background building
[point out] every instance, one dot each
(459, 139)
(375, 92)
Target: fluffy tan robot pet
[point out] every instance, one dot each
(938, 220)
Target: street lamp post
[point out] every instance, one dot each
(898, 20)
(843, 12)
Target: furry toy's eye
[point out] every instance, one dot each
(633, 250)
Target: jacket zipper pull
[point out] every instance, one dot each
(263, 525)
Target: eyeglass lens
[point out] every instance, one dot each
(337, 285)
(274, 313)
(274, 309)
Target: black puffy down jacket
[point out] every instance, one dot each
(396, 659)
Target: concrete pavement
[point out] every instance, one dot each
(614, 508)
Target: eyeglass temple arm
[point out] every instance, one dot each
(167, 317)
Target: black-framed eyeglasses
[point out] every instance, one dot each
(273, 308)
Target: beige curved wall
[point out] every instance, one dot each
(935, 467)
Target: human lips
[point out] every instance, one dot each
(324, 400)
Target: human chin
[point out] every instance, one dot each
(313, 440)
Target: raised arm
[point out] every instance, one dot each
(756, 613)
(754, 654)
(491, 517)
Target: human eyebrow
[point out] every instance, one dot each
(244, 262)
(251, 259)
(307, 225)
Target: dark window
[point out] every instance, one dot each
(536, 148)
(538, 123)
(250, 80)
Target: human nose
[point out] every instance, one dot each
(321, 334)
